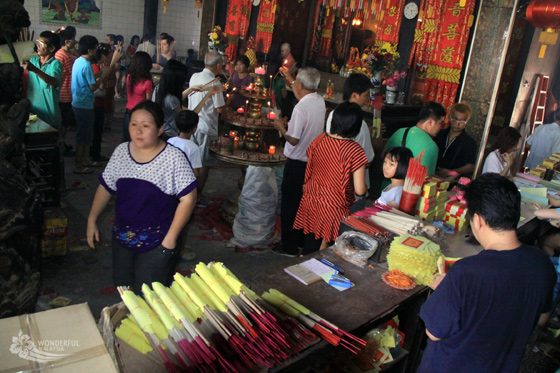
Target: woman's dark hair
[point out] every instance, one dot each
(51, 39)
(102, 50)
(496, 200)
(402, 156)
(244, 60)
(86, 43)
(347, 120)
(134, 38)
(139, 68)
(120, 38)
(506, 140)
(154, 109)
(186, 121)
(72, 30)
(172, 81)
(65, 35)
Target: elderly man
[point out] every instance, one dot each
(308, 122)
(544, 142)
(483, 312)
(208, 117)
(287, 58)
(457, 150)
(419, 137)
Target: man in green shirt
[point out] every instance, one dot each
(45, 76)
(419, 137)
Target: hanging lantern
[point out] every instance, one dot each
(545, 14)
(165, 3)
(198, 3)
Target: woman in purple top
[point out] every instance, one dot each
(155, 191)
(240, 78)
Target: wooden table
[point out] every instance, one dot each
(366, 305)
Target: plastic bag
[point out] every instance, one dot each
(355, 247)
(254, 223)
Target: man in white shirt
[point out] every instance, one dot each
(209, 114)
(307, 122)
(544, 142)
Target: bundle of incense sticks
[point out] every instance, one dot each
(368, 227)
(24, 34)
(205, 86)
(212, 322)
(415, 175)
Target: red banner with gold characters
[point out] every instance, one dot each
(426, 33)
(237, 24)
(444, 68)
(390, 22)
(265, 25)
(326, 35)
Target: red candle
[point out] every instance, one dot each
(233, 133)
(271, 115)
(271, 149)
(240, 110)
(259, 71)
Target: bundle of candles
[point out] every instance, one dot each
(212, 322)
(24, 35)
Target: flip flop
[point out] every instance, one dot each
(83, 171)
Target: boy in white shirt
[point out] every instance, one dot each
(187, 123)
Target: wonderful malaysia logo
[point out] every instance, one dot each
(45, 351)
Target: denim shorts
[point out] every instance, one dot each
(85, 119)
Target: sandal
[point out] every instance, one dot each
(83, 171)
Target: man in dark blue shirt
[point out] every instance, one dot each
(483, 311)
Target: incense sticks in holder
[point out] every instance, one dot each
(413, 184)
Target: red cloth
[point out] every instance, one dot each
(328, 191)
(265, 25)
(99, 101)
(67, 61)
(137, 94)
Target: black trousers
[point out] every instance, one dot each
(95, 150)
(133, 269)
(292, 192)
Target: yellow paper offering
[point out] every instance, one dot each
(193, 312)
(140, 315)
(169, 302)
(207, 295)
(231, 281)
(290, 301)
(278, 303)
(157, 305)
(415, 256)
(188, 286)
(212, 282)
(159, 328)
(133, 339)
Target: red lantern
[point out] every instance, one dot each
(544, 14)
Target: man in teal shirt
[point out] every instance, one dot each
(45, 76)
(420, 136)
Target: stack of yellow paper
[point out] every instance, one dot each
(415, 256)
(538, 171)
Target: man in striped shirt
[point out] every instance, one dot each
(66, 58)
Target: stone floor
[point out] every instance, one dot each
(84, 275)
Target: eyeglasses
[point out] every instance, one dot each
(459, 121)
(40, 43)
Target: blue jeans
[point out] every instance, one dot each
(134, 269)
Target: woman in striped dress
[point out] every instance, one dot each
(335, 173)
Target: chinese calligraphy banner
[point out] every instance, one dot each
(237, 24)
(425, 35)
(390, 22)
(444, 68)
(265, 25)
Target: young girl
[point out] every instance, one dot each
(335, 173)
(169, 94)
(395, 167)
(139, 86)
(155, 191)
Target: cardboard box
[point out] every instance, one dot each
(60, 340)
(55, 232)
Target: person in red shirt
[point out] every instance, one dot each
(66, 58)
(139, 86)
